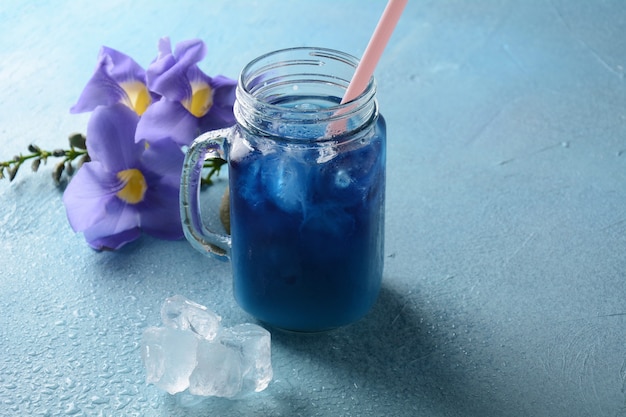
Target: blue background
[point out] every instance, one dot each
(504, 287)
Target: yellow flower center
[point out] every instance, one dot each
(138, 96)
(201, 99)
(134, 186)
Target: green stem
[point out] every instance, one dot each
(77, 150)
(214, 166)
(9, 168)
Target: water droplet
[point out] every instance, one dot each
(72, 409)
(99, 400)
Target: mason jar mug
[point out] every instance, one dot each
(306, 178)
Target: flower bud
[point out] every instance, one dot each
(58, 171)
(13, 172)
(35, 165)
(82, 160)
(69, 169)
(78, 140)
(58, 153)
(34, 148)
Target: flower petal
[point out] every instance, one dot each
(101, 89)
(111, 138)
(221, 113)
(99, 236)
(104, 87)
(165, 47)
(226, 86)
(160, 214)
(216, 118)
(100, 241)
(167, 119)
(118, 227)
(87, 195)
(165, 159)
(167, 75)
(122, 67)
(164, 78)
(190, 52)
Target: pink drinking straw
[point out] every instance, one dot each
(375, 48)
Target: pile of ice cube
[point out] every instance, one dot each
(194, 352)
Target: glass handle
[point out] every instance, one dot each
(206, 146)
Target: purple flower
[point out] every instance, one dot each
(192, 102)
(117, 79)
(128, 187)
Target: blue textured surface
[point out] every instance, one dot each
(504, 287)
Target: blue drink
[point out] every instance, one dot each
(307, 246)
(307, 192)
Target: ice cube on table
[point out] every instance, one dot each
(231, 362)
(218, 372)
(169, 357)
(253, 344)
(177, 312)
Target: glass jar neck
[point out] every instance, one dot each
(295, 94)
